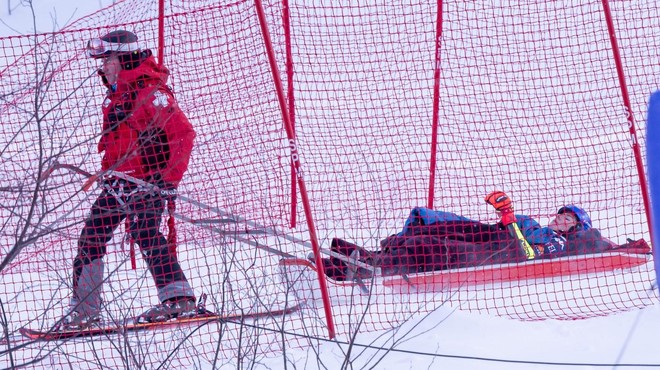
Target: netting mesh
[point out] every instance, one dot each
(529, 102)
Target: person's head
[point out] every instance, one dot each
(570, 218)
(118, 50)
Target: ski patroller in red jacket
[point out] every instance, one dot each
(144, 130)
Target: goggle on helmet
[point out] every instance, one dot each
(115, 42)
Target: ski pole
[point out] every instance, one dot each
(260, 228)
(228, 218)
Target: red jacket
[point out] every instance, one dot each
(144, 130)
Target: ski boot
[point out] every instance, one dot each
(77, 320)
(168, 310)
(175, 308)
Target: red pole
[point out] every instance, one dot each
(295, 159)
(436, 105)
(161, 31)
(631, 120)
(292, 112)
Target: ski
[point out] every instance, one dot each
(48, 335)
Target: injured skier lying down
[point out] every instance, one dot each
(438, 240)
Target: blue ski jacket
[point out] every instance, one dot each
(546, 239)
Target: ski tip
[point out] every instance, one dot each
(31, 333)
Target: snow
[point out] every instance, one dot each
(458, 340)
(447, 338)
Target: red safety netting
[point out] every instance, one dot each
(523, 98)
